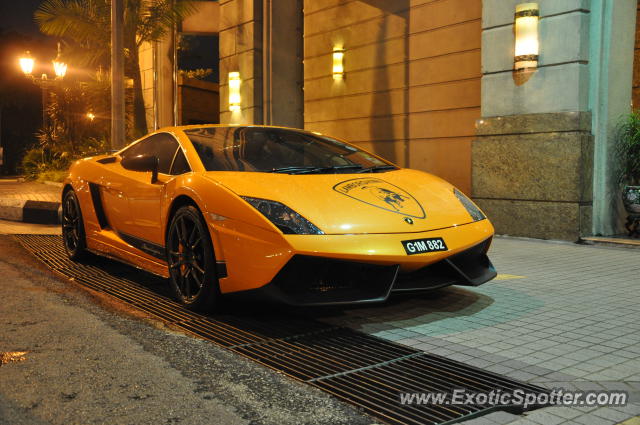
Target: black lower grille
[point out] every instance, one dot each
(331, 282)
(471, 267)
(361, 369)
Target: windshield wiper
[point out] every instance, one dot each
(336, 168)
(292, 170)
(378, 168)
(318, 170)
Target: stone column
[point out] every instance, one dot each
(613, 30)
(262, 39)
(532, 163)
(241, 50)
(282, 63)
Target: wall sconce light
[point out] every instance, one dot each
(526, 29)
(338, 63)
(234, 91)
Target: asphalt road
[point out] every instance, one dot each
(89, 360)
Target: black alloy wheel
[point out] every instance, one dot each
(191, 260)
(73, 235)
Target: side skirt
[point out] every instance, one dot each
(127, 256)
(151, 248)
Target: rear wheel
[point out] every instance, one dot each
(191, 260)
(75, 243)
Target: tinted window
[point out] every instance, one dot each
(162, 145)
(270, 149)
(180, 164)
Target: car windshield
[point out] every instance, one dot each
(261, 149)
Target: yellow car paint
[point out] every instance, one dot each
(360, 223)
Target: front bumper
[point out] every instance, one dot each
(309, 280)
(254, 256)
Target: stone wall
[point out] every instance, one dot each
(532, 174)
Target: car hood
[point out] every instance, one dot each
(399, 201)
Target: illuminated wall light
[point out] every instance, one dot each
(234, 91)
(526, 29)
(338, 63)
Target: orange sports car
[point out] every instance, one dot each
(291, 214)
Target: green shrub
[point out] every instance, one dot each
(628, 150)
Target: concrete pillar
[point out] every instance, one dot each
(262, 39)
(532, 162)
(613, 29)
(282, 63)
(241, 50)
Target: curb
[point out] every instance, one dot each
(37, 212)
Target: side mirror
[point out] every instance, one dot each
(142, 163)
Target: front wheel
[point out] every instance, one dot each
(75, 243)
(191, 261)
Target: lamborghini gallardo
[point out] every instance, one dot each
(291, 215)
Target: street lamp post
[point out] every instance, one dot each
(27, 64)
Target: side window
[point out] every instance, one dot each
(162, 145)
(141, 148)
(180, 164)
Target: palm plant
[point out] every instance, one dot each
(85, 26)
(628, 150)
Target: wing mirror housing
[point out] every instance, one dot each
(142, 163)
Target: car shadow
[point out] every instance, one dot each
(439, 312)
(425, 307)
(436, 313)
(420, 308)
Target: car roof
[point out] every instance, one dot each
(187, 127)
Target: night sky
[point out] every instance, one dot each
(17, 15)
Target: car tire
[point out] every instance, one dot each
(73, 234)
(190, 257)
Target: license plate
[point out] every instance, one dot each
(420, 246)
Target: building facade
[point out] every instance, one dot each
(430, 84)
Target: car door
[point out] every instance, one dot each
(113, 184)
(143, 229)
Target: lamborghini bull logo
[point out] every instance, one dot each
(380, 194)
(394, 199)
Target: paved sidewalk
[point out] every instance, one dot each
(8, 227)
(29, 202)
(559, 315)
(28, 191)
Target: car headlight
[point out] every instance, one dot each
(285, 219)
(468, 204)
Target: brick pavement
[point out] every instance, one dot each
(15, 227)
(561, 315)
(13, 189)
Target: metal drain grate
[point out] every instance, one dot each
(364, 370)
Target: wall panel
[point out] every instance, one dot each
(411, 90)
